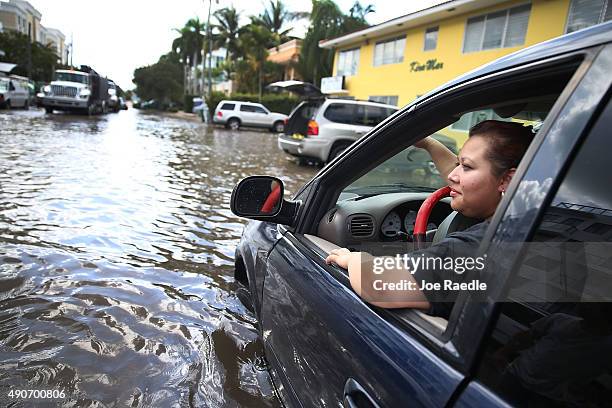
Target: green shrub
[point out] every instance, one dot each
(213, 100)
(188, 102)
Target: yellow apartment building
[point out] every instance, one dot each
(401, 59)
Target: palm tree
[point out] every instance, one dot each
(275, 17)
(189, 45)
(360, 12)
(228, 31)
(326, 21)
(255, 41)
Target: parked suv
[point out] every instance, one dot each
(321, 128)
(234, 114)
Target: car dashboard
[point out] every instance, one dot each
(383, 218)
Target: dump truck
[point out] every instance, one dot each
(82, 90)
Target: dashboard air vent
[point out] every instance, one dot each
(361, 226)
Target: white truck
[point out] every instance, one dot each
(77, 91)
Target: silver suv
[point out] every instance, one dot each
(321, 128)
(233, 114)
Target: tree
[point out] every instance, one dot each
(162, 81)
(275, 17)
(255, 43)
(326, 21)
(228, 32)
(359, 13)
(189, 45)
(44, 58)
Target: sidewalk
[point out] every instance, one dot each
(185, 116)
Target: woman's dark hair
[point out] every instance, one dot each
(508, 142)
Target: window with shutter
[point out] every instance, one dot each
(505, 28)
(431, 39)
(586, 13)
(517, 26)
(347, 62)
(389, 51)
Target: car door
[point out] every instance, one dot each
(563, 208)
(247, 114)
(261, 116)
(334, 348)
(13, 94)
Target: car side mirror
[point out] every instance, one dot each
(261, 198)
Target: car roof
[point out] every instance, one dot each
(581, 39)
(245, 102)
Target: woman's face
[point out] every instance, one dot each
(475, 191)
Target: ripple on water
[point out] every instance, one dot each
(116, 260)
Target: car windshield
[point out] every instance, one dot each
(72, 77)
(412, 170)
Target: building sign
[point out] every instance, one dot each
(430, 65)
(333, 84)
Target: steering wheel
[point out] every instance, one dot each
(422, 218)
(271, 200)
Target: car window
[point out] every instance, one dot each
(340, 113)
(228, 106)
(259, 109)
(247, 108)
(413, 169)
(367, 115)
(552, 344)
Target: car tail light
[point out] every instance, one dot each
(313, 128)
(286, 121)
(220, 114)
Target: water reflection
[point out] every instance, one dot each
(116, 259)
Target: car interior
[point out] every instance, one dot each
(374, 208)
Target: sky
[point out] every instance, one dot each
(117, 36)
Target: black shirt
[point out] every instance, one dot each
(452, 251)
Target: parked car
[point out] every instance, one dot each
(122, 104)
(151, 104)
(327, 347)
(14, 92)
(234, 114)
(321, 128)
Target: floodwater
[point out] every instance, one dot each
(116, 261)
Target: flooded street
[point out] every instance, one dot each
(116, 260)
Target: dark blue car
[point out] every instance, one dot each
(327, 347)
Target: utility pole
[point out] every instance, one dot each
(209, 35)
(71, 48)
(29, 67)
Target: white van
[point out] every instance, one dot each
(14, 92)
